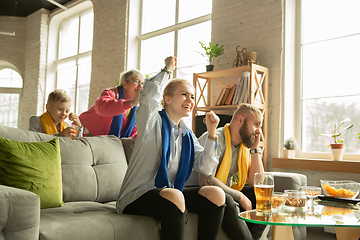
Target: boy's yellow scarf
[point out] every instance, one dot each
(243, 157)
(48, 124)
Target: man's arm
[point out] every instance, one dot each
(236, 195)
(204, 180)
(255, 164)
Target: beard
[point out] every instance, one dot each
(246, 136)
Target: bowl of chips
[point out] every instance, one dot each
(346, 189)
(311, 191)
(278, 199)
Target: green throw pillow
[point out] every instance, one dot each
(33, 166)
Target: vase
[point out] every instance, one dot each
(289, 153)
(337, 151)
(209, 68)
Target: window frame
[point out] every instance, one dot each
(298, 88)
(76, 57)
(12, 90)
(172, 28)
(56, 23)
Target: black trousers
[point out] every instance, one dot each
(236, 228)
(172, 220)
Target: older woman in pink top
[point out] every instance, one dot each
(113, 112)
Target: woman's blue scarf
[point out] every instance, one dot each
(117, 120)
(187, 156)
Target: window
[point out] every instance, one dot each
(329, 69)
(10, 89)
(73, 65)
(174, 31)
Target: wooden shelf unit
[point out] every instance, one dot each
(208, 86)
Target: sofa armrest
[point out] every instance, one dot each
(291, 181)
(19, 214)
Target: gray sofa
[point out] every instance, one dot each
(92, 173)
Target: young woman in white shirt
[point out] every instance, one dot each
(165, 153)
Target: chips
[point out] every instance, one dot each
(338, 193)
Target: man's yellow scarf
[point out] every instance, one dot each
(48, 124)
(243, 157)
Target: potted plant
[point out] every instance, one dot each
(211, 52)
(290, 145)
(337, 145)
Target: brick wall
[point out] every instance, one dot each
(12, 48)
(257, 26)
(32, 97)
(108, 55)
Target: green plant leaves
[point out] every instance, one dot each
(212, 51)
(338, 130)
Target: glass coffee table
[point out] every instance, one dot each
(345, 217)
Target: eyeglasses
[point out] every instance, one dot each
(137, 81)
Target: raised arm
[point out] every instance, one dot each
(150, 96)
(108, 106)
(206, 159)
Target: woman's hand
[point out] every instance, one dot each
(212, 121)
(170, 63)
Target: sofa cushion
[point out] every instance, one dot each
(90, 220)
(33, 166)
(93, 168)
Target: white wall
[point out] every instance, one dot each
(109, 45)
(12, 48)
(27, 51)
(257, 26)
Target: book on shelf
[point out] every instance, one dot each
(231, 95)
(220, 97)
(242, 92)
(226, 94)
(246, 90)
(238, 91)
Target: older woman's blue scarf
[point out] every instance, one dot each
(187, 157)
(116, 123)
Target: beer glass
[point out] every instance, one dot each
(264, 187)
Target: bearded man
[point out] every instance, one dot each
(233, 143)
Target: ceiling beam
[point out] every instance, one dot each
(58, 4)
(7, 33)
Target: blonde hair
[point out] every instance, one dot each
(245, 108)
(171, 87)
(128, 76)
(58, 95)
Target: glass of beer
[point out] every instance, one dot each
(264, 187)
